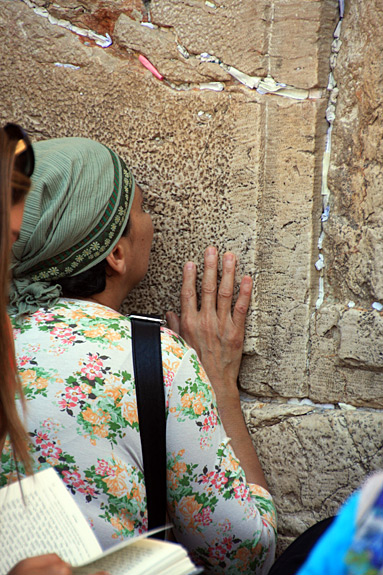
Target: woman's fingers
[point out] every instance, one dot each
(226, 287)
(243, 302)
(188, 290)
(209, 281)
(173, 321)
(216, 331)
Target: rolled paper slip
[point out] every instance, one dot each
(145, 62)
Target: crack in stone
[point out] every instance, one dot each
(99, 39)
(330, 496)
(330, 117)
(270, 38)
(299, 402)
(371, 457)
(263, 85)
(356, 447)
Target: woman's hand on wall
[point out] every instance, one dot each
(214, 331)
(217, 333)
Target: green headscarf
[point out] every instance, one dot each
(74, 215)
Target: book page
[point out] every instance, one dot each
(48, 520)
(143, 557)
(121, 545)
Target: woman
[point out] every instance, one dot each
(83, 246)
(14, 185)
(16, 167)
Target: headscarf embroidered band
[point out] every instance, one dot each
(74, 215)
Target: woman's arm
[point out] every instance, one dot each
(217, 335)
(227, 523)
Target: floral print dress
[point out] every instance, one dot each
(75, 364)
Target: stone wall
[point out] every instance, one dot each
(264, 137)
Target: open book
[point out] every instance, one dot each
(40, 516)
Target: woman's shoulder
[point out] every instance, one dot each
(88, 319)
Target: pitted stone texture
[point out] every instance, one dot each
(313, 461)
(354, 232)
(197, 154)
(205, 195)
(361, 336)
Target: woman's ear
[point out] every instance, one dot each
(116, 260)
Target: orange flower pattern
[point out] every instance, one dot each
(75, 364)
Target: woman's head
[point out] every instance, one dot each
(123, 268)
(16, 166)
(24, 162)
(78, 210)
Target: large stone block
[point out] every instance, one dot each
(313, 459)
(286, 237)
(345, 358)
(354, 231)
(301, 58)
(345, 362)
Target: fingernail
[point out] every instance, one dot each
(189, 266)
(211, 251)
(247, 284)
(229, 257)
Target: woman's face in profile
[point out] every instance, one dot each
(16, 219)
(139, 238)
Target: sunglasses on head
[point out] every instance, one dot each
(24, 156)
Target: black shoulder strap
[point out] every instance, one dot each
(147, 363)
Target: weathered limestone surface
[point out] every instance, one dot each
(346, 355)
(346, 361)
(243, 170)
(355, 233)
(311, 472)
(285, 234)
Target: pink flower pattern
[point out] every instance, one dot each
(73, 478)
(64, 334)
(48, 449)
(93, 368)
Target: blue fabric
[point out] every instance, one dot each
(328, 554)
(366, 552)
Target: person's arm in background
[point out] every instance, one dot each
(217, 335)
(50, 564)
